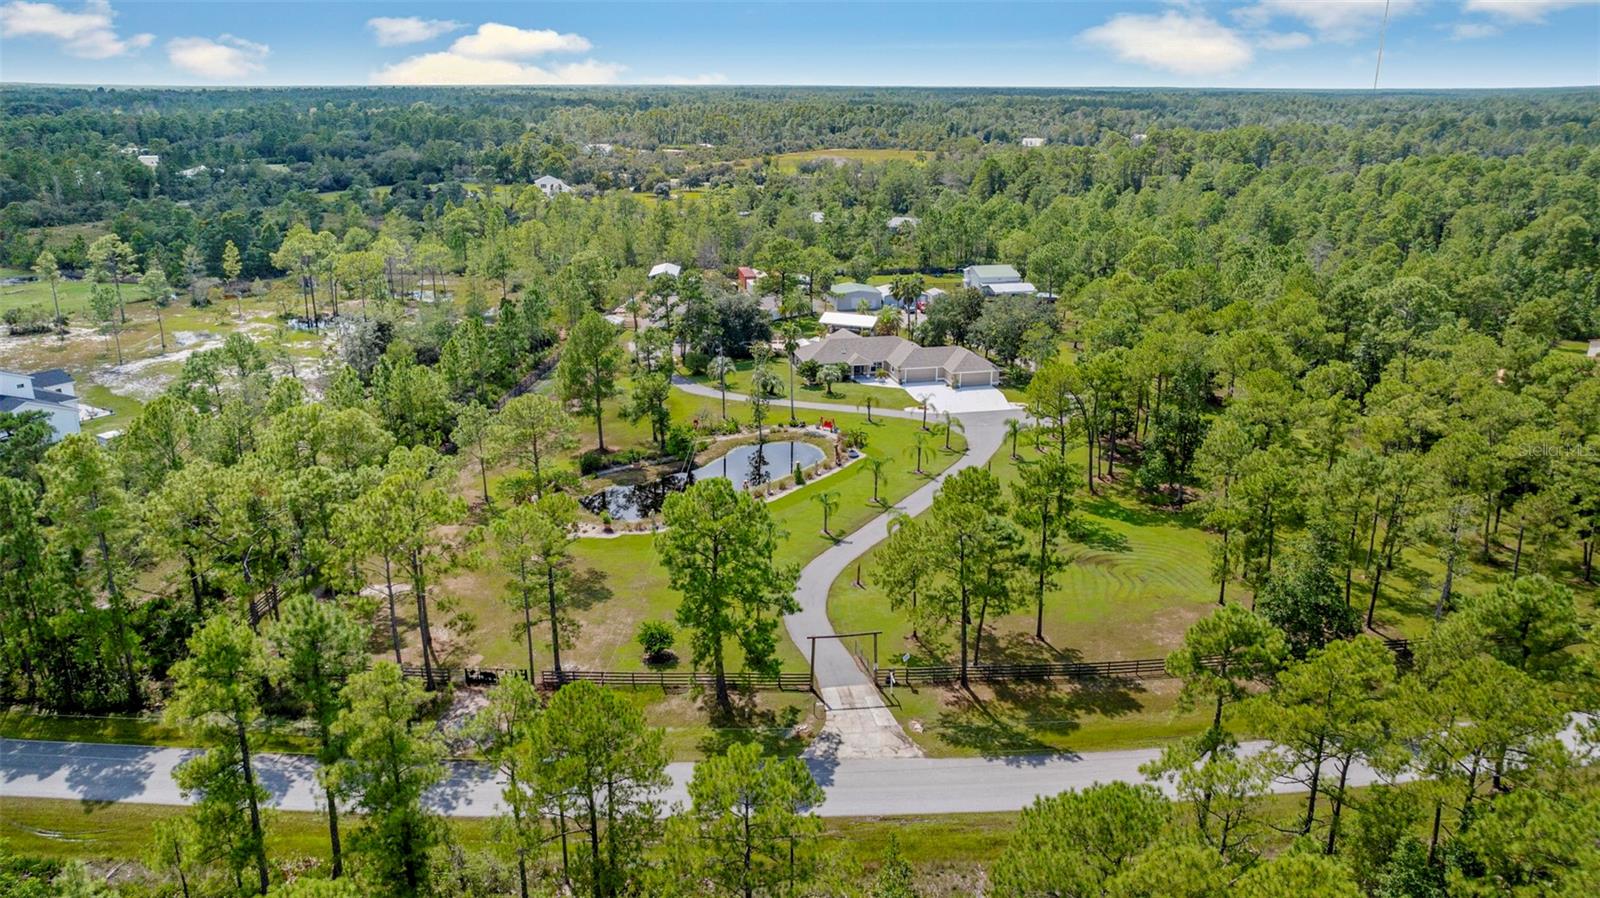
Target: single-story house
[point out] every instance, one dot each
(922, 300)
(52, 392)
(191, 172)
(850, 321)
(984, 276)
(149, 160)
(900, 359)
(552, 185)
(903, 222)
(666, 268)
(849, 296)
(1033, 141)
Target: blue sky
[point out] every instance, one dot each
(1253, 43)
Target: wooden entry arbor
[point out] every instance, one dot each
(872, 674)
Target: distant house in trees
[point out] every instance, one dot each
(903, 223)
(995, 280)
(149, 160)
(552, 185)
(901, 360)
(191, 172)
(850, 296)
(1594, 348)
(748, 277)
(52, 392)
(598, 149)
(666, 268)
(818, 217)
(1033, 141)
(923, 298)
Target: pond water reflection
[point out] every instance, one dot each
(746, 466)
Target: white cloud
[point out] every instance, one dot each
(1283, 40)
(1175, 41)
(88, 34)
(497, 54)
(455, 68)
(1467, 31)
(225, 57)
(392, 32)
(1527, 11)
(495, 41)
(1339, 20)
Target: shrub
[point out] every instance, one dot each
(656, 638)
(809, 370)
(697, 362)
(28, 320)
(799, 475)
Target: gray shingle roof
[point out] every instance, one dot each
(51, 377)
(848, 287)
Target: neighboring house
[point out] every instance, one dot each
(850, 321)
(552, 185)
(923, 298)
(748, 277)
(903, 222)
(666, 268)
(818, 217)
(900, 359)
(52, 392)
(149, 160)
(996, 280)
(1033, 141)
(191, 172)
(598, 149)
(850, 296)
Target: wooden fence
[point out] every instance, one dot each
(1135, 669)
(678, 679)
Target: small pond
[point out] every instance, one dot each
(745, 465)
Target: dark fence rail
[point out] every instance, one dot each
(677, 679)
(1135, 669)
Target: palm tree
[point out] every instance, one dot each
(868, 403)
(923, 404)
(1013, 430)
(919, 441)
(830, 503)
(877, 466)
(791, 342)
(951, 423)
(721, 367)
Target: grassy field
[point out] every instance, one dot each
(74, 295)
(1138, 577)
(620, 582)
(789, 163)
(146, 729)
(849, 394)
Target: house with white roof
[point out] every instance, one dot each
(818, 218)
(666, 268)
(552, 185)
(1033, 141)
(149, 160)
(903, 222)
(52, 392)
(191, 172)
(995, 280)
(849, 296)
(902, 360)
(850, 321)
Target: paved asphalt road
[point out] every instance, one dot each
(94, 772)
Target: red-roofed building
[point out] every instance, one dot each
(748, 277)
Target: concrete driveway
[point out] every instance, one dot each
(960, 402)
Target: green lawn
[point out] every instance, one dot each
(74, 296)
(849, 395)
(789, 163)
(146, 729)
(621, 583)
(1138, 577)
